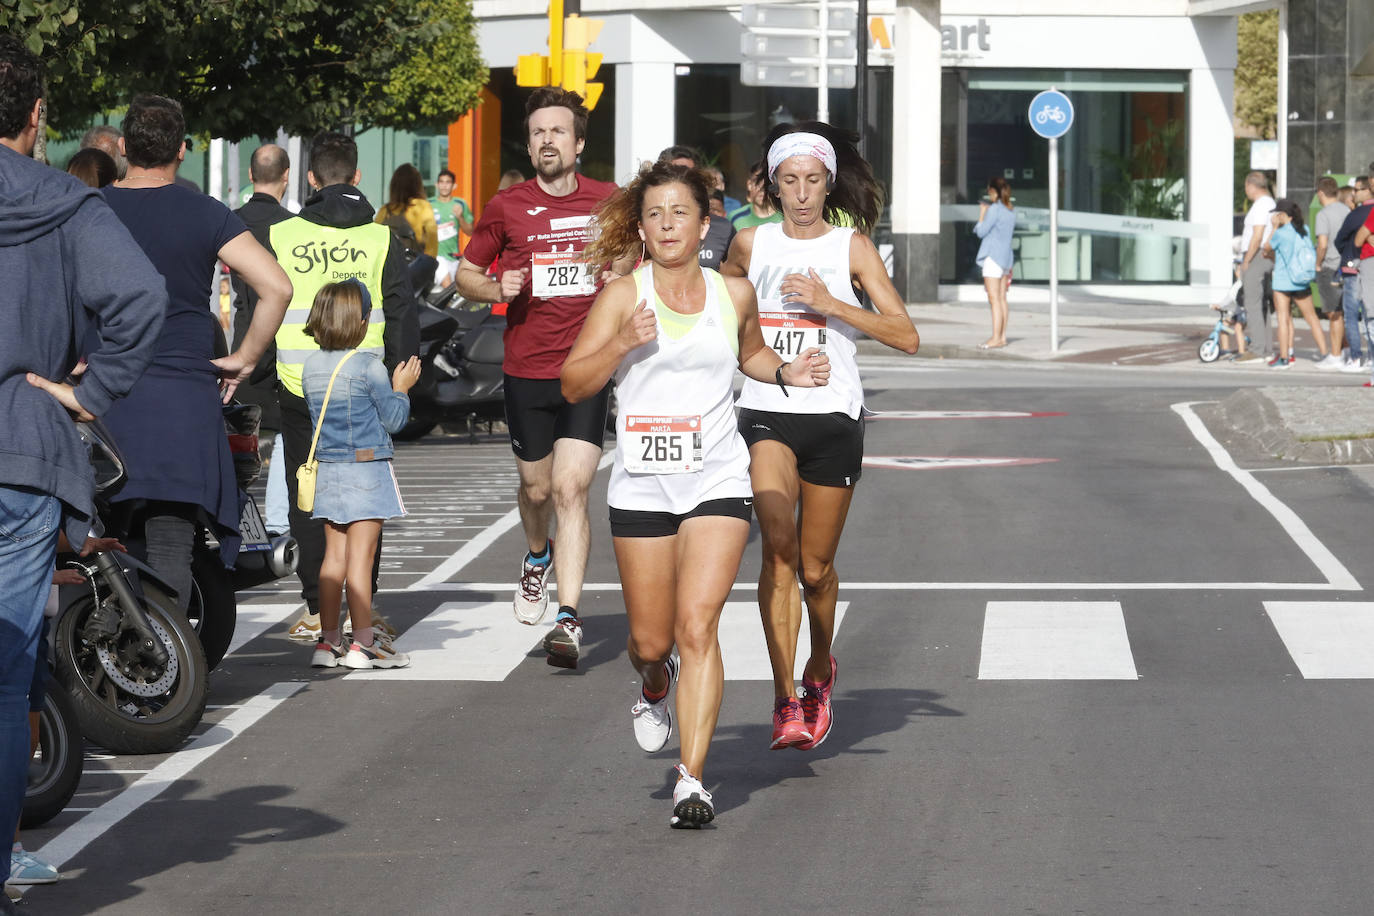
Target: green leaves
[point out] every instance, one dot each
(244, 68)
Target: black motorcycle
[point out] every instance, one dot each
(55, 770)
(126, 656)
(461, 379)
(213, 605)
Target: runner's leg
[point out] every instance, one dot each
(819, 525)
(533, 498)
(573, 468)
(773, 472)
(648, 577)
(710, 547)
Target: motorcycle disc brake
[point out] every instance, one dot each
(140, 687)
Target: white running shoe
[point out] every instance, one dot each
(327, 655)
(531, 593)
(692, 806)
(1355, 366)
(381, 654)
(306, 627)
(1330, 362)
(564, 642)
(654, 721)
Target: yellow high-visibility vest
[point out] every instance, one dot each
(313, 255)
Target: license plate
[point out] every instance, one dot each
(252, 529)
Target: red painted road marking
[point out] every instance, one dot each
(937, 462)
(961, 414)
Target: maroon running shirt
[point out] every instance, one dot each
(527, 227)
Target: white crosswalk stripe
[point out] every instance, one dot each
(1055, 640)
(1327, 639)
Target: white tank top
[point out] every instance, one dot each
(677, 442)
(790, 328)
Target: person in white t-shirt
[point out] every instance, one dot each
(1254, 267)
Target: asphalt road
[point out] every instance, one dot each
(1090, 662)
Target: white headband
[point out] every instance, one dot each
(800, 143)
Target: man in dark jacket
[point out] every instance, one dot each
(336, 217)
(68, 265)
(1352, 296)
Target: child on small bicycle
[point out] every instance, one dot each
(1233, 318)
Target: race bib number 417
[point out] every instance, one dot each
(790, 334)
(662, 445)
(561, 273)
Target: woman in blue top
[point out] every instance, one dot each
(355, 488)
(995, 224)
(1290, 233)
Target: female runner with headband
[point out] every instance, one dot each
(672, 334)
(806, 447)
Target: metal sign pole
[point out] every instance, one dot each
(823, 89)
(1054, 244)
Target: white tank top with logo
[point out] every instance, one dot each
(790, 328)
(677, 443)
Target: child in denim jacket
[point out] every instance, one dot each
(355, 489)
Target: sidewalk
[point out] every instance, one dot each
(1329, 419)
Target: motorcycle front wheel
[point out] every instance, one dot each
(55, 770)
(123, 703)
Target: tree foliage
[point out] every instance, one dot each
(1257, 72)
(244, 68)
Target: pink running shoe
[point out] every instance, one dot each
(815, 704)
(789, 725)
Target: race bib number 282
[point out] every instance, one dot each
(561, 273)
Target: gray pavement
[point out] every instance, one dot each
(1302, 414)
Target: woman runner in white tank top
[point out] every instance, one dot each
(806, 450)
(672, 335)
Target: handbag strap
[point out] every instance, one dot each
(325, 406)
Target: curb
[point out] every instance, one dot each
(1252, 414)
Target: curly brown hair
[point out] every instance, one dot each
(617, 219)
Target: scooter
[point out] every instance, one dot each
(461, 379)
(126, 656)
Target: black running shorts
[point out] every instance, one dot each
(829, 446)
(537, 414)
(631, 523)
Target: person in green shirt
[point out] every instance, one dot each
(760, 209)
(451, 214)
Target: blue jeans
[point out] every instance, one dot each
(29, 522)
(1350, 308)
(277, 500)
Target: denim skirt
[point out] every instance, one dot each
(347, 491)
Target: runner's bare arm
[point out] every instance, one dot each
(474, 284)
(737, 258)
(615, 325)
(756, 359)
(889, 324)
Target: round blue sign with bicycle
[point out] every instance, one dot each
(1051, 114)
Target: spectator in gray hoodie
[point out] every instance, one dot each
(68, 265)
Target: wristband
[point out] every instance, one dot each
(777, 374)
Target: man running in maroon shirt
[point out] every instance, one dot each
(537, 229)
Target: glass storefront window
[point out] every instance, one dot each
(1125, 156)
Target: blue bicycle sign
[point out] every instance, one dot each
(1051, 114)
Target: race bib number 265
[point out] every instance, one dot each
(561, 273)
(662, 445)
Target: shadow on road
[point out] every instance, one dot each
(740, 759)
(218, 827)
